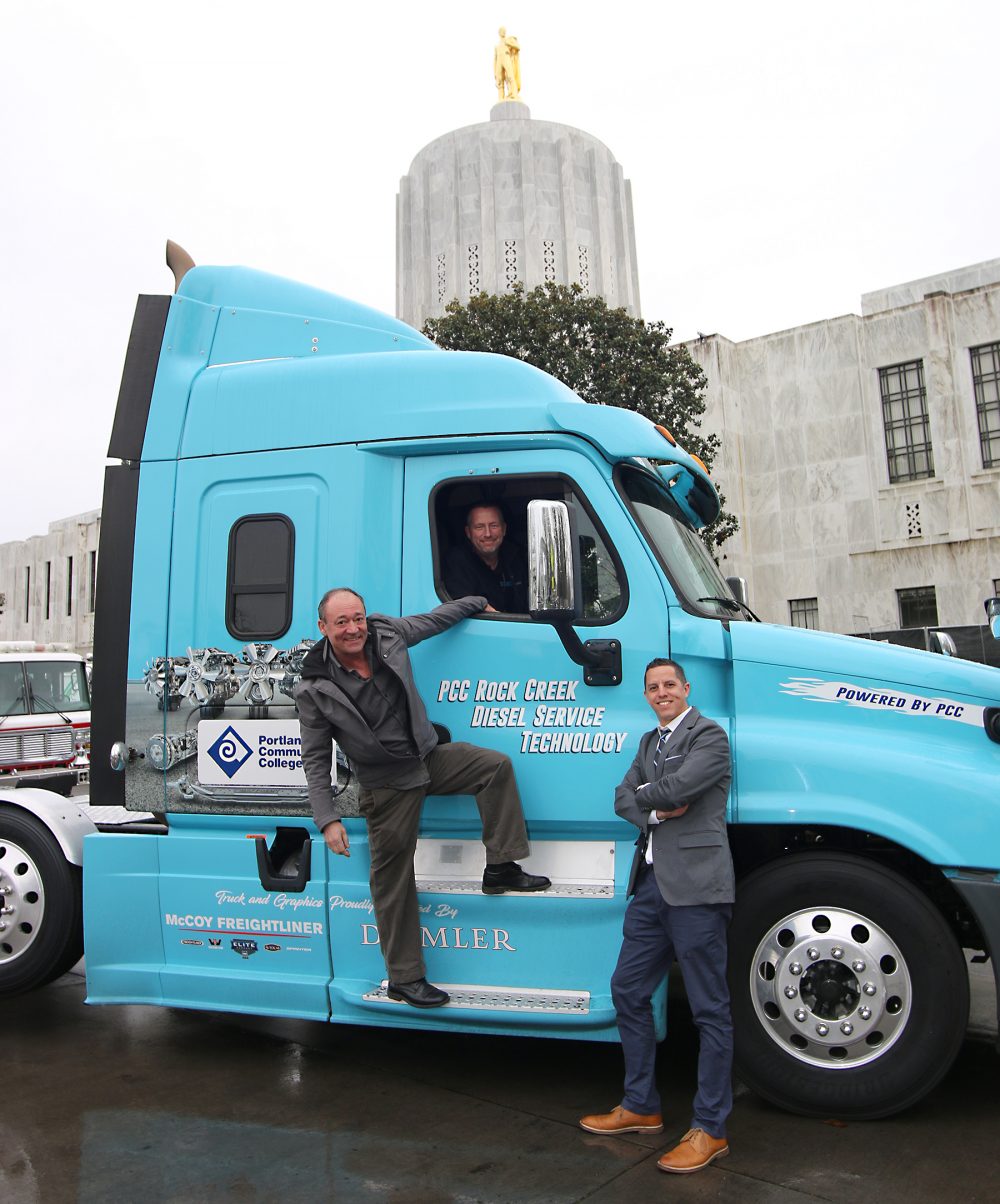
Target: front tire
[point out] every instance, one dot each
(42, 915)
(850, 994)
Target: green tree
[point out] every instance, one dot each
(603, 354)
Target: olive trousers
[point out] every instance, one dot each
(393, 817)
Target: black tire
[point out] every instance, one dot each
(43, 933)
(846, 937)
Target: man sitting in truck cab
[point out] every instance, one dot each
(486, 564)
(357, 688)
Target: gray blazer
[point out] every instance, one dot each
(326, 713)
(691, 855)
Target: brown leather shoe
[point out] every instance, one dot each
(693, 1152)
(620, 1120)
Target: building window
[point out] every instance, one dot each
(48, 589)
(92, 581)
(549, 260)
(996, 587)
(986, 385)
(442, 277)
(907, 427)
(259, 577)
(473, 269)
(804, 612)
(27, 593)
(69, 585)
(509, 263)
(918, 607)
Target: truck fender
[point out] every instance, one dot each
(63, 818)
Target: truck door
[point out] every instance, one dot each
(505, 682)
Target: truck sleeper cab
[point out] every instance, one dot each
(275, 441)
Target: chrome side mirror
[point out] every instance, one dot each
(551, 571)
(993, 616)
(941, 641)
(738, 585)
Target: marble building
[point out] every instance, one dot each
(508, 200)
(48, 584)
(862, 457)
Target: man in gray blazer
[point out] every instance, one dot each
(682, 891)
(357, 688)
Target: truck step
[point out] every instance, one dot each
(558, 890)
(499, 999)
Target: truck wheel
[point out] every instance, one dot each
(41, 922)
(850, 995)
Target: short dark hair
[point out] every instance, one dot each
(662, 662)
(338, 589)
(485, 506)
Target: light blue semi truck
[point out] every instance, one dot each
(275, 440)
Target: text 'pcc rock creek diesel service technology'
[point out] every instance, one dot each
(275, 440)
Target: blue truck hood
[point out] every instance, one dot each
(798, 650)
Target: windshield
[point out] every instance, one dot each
(12, 697)
(692, 571)
(57, 686)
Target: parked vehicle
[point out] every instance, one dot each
(44, 718)
(276, 440)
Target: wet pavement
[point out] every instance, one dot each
(146, 1104)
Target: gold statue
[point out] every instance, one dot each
(507, 66)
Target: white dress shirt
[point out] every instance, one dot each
(664, 736)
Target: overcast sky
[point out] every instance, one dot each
(785, 158)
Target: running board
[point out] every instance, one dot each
(579, 869)
(498, 999)
(558, 890)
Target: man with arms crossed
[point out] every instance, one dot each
(682, 890)
(357, 688)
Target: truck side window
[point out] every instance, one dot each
(602, 591)
(602, 576)
(259, 576)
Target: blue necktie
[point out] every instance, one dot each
(659, 748)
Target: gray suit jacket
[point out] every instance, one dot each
(691, 855)
(327, 714)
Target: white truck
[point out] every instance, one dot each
(44, 717)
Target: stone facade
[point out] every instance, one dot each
(804, 463)
(513, 200)
(48, 583)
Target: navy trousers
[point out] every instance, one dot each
(655, 933)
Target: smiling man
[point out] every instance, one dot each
(357, 688)
(682, 891)
(486, 564)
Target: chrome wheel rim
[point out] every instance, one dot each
(830, 987)
(23, 901)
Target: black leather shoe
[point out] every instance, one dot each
(418, 994)
(498, 879)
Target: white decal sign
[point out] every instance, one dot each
(250, 752)
(571, 726)
(883, 698)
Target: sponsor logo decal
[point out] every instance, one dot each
(882, 698)
(215, 942)
(188, 941)
(243, 947)
(230, 751)
(273, 948)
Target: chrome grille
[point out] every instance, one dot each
(42, 744)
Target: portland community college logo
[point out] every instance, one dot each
(230, 752)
